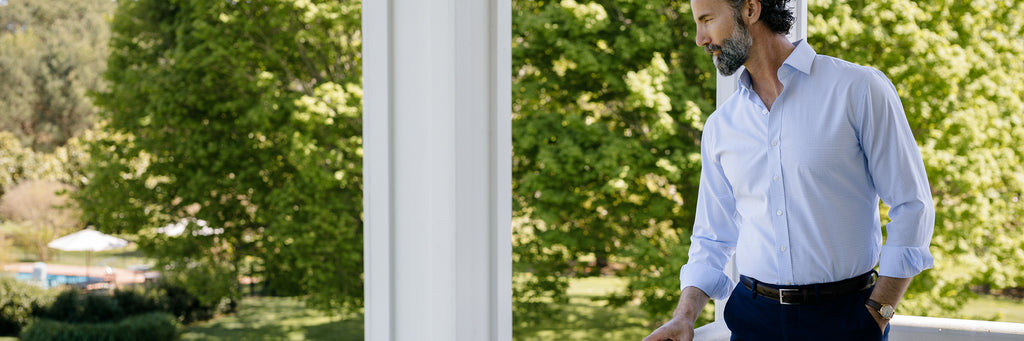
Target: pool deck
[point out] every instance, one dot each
(119, 277)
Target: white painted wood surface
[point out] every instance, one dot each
(437, 169)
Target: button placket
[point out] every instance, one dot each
(777, 195)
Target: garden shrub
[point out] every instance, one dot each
(154, 326)
(187, 307)
(75, 306)
(139, 301)
(19, 301)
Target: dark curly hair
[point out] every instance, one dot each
(774, 14)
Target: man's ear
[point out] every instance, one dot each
(751, 11)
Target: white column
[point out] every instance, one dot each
(726, 85)
(437, 169)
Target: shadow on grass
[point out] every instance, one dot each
(588, 316)
(587, 319)
(277, 318)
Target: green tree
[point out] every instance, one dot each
(608, 103)
(957, 66)
(52, 53)
(244, 114)
(19, 163)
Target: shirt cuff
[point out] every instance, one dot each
(904, 262)
(711, 281)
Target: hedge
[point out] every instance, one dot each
(19, 301)
(156, 326)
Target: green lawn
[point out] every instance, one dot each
(1002, 309)
(277, 318)
(272, 318)
(588, 318)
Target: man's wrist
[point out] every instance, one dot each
(687, 315)
(884, 310)
(691, 303)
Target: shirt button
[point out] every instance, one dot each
(775, 143)
(776, 178)
(779, 212)
(783, 249)
(764, 111)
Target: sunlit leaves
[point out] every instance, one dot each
(607, 109)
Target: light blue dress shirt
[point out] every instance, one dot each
(793, 191)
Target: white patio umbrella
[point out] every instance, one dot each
(87, 240)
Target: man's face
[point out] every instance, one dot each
(722, 33)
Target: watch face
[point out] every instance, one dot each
(887, 311)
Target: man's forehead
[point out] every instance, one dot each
(706, 7)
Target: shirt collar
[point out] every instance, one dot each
(800, 59)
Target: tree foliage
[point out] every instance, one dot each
(246, 115)
(609, 97)
(958, 69)
(51, 54)
(19, 163)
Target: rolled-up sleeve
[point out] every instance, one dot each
(900, 180)
(714, 230)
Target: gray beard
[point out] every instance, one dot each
(734, 51)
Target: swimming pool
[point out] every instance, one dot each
(58, 280)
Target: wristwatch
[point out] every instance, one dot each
(886, 310)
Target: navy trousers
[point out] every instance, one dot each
(751, 317)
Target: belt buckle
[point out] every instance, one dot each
(782, 294)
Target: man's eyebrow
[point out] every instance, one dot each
(702, 17)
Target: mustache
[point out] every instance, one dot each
(709, 48)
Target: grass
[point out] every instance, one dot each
(277, 318)
(273, 318)
(996, 308)
(587, 316)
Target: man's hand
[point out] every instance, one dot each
(878, 318)
(887, 290)
(676, 329)
(680, 327)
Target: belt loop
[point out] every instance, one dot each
(753, 289)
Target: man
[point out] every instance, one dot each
(793, 166)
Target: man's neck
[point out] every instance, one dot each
(766, 57)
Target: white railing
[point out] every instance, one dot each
(912, 328)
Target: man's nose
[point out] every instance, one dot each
(702, 39)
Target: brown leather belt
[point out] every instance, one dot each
(809, 294)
